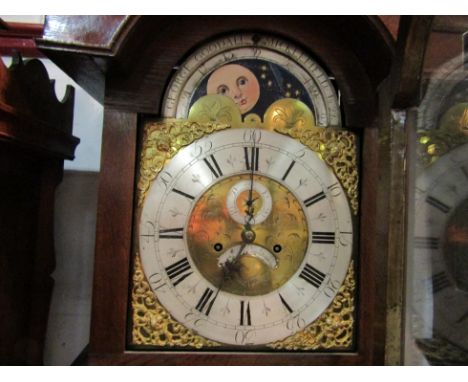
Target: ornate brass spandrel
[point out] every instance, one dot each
(452, 132)
(338, 149)
(435, 143)
(152, 324)
(161, 141)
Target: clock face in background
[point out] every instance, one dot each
(254, 71)
(438, 243)
(440, 248)
(245, 236)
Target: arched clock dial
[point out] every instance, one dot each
(245, 236)
(254, 70)
(440, 247)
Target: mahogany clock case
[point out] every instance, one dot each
(137, 74)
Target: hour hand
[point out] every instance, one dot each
(231, 255)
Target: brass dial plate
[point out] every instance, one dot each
(259, 313)
(152, 324)
(280, 240)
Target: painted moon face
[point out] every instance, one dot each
(236, 82)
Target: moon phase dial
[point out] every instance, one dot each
(251, 263)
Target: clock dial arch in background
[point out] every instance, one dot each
(448, 88)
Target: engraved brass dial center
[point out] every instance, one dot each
(250, 263)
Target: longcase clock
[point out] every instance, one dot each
(237, 213)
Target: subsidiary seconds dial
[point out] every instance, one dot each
(242, 238)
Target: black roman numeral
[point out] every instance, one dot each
(464, 170)
(179, 271)
(285, 304)
(323, 237)
(183, 193)
(252, 162)
(312, 275)
(245, 313)
(171, 233)
(314, 199)
(438, 204)
(206, 301)
(439, 281)
(214, 167)
(426, 242)
(288, 170)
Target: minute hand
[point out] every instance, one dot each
(250, 201)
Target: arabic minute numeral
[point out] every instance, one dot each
(244, 337)
(165, 178)
(334, 190)
(253, 136)
(156, 281)
(295, 323)
(331, 288)
(345, 238)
